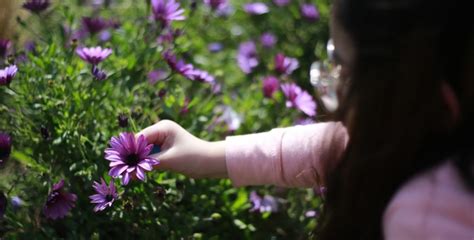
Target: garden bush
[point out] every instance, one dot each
(75, 74)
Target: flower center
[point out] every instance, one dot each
(52, 198)
(132, 159)
(109, 197)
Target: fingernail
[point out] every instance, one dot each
(156, 149)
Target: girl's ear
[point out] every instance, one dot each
(451, 101)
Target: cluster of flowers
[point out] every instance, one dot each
(130, 157)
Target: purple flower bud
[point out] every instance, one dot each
(36, 6)
(309, 12)
(268, 40)
(5, 147)
(98, 74)
(122, 120)
(270, 86)
(5, 45)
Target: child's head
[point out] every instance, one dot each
(407, 97)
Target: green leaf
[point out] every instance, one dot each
(28, 161)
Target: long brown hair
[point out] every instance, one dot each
(400, 124)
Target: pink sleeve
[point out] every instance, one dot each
(297, 156)
(435, 205)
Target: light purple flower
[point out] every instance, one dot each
(166, 11)
(202, 76)
(5, 147)
(268, 40)
(285, 65)
(179, 66)
(17, 202)
(129, 157)
(36, 6)
(257, 8)
(93, 55)
(311, 214)
(7, 74)
(216, 4)
(105, 196)
(247, 57)
(214, 47)
(157, 75)
(230, 117)
(270, 86)
(59, 202)
(309, 12)
(281, 3)
(298, 98)
(262, 205)
(5, 45)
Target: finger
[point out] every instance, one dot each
(155, 134)
(163, 158)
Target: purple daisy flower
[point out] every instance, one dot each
(309, 12)
(59, 202)
(5, 147)
(285, 65)
(5, 45)
(7, 74)
(270, 86)
(230, 117)
(262, 205)
(257, 8)
(3, 204)
(298, 98)
(179, 66)
(94, 25)
(281, 3)
(216, 4)
(129, 157)
(247, 57)
(202, 76)
(166, 11)
(268, 40)
(106, 195)
(36, 6)
(93, 55)
(157, 75)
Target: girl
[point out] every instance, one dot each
(399, 161)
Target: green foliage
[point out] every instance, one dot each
(54, 89)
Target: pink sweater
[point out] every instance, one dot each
(433, 205)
